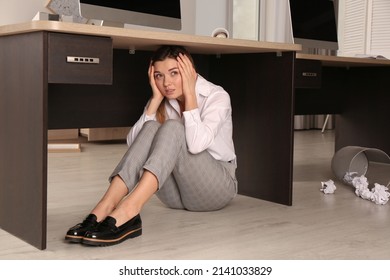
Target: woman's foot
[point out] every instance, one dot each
(76, 233)
(107, 233)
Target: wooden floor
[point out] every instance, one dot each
(317, 226)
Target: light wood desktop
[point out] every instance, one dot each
(39, 90)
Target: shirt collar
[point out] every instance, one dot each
(202, 87)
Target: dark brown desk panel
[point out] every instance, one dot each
(119, 104)
(365, 121)
(78, 59)
(307, 73)
(329, 98)
(360, 98)
(23, 136)
(261, 89)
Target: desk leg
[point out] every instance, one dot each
(23, 137)
(261, 89)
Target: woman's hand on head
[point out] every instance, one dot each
(157, 95)
(188, 74)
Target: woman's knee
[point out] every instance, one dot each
(173, 127)
(151, 125)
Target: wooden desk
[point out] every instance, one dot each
(40, 91)
(357, 91)
(36, 95)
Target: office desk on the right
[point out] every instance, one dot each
(357, 90)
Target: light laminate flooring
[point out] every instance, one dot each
(316, 227)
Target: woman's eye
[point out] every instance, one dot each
(157, 76)
(174, 73)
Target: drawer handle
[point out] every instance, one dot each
(86, 60)
(309, 74)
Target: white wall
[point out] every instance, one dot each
(211, 15)
(245, 19)
(264, 20)
(16, 11)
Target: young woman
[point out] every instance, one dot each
(181, 148)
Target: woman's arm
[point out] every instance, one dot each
(150, 108)
(188, 76)
(202, 125)
(157, 96)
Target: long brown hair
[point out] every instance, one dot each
(161, 54)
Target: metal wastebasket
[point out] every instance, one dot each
(361, 160)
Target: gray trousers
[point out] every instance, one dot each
(196, 182)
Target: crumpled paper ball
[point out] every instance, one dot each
(328, 187)
(378, 194)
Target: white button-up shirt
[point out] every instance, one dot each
(208, 127)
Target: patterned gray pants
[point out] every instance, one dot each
(196, 182)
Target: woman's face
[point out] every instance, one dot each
(168, 78)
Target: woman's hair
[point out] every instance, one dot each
(161, 54)
(165, 52)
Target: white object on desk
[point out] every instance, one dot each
(67, 8)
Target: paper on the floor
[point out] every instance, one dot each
(348, 177)
(328, 187)
(378, 194)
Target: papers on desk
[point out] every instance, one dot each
(372, 56)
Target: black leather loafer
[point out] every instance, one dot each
(107, 233)
(77, 232)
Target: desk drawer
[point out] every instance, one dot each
(307, 73)
(77, 59)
